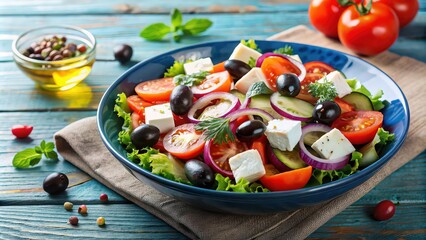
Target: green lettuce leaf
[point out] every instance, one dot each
(123, 111)
(160, 164)
(324, 176)
(356, 86)
(226, 184)
(251, 43)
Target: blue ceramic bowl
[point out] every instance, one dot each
(396, 119)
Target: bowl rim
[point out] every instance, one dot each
(88, 34)
(219, 194)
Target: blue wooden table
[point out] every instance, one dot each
(26, 211)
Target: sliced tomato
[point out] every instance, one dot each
(136, 120)
(290, 180)
(359, 127)
(273, 67)
(344, 106)
(215, 82)
(220, 154)
(155, 90)
(260, 145)
(220, 67)
(304, 86)
(138, 105)
(318, 67)
(184, 141)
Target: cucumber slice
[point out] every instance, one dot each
(263, 102)
(238, 94)
(359, 101)
(290, 158)
(292, 108)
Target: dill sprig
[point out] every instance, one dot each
(323, 90)
(217, 129)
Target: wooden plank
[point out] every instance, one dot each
(54, 7)
(112, 30)
(123, 221)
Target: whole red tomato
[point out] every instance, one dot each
(369, 29)
(324, 16)
(406, 10)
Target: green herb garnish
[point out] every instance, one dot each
(175, 69)
(287, 50)
(32, 156)
(325, 90)
(258, 88)
(190, 80)
(158, 31)
(251, 44)
(217, 129)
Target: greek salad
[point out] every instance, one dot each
(256, 122)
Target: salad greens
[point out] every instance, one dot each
(226, 184)
(175, 69)
(375, 99)
(251, 44)
(123, 111)
(258, 88)
(324, 91)
(32, 156)
(287, 50)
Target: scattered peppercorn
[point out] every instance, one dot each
(123, 53)
(54, 48)
(103, 197)
(82, 209)
(73, 220)
(68, 206)
(100, 221)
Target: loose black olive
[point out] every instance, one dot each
(236, 68)
(123, 53)
(326, 112)
(288, 84)
(250, 130)
(181, 100)
(199, 174)
(55, 183)
(145, 135)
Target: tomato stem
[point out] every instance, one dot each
(364, 9)
(346, 3)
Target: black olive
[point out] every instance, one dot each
(288, 84)
(55, 183)
(236, 68)
(145, 135)
(250, 130)
(326, 112)
(123, 53)
(199, 174)
(181, 100)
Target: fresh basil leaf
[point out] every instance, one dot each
(43, 145)
(258, 88)
(155, 31)
(196, 26)
(51, 155)
(38, 149)
(176, 19)
(49, 146)
(26, 158)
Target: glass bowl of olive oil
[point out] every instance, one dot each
(57, 58)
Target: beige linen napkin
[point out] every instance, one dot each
(80, 144)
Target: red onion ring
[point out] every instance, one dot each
(207, 99)
(314, 161)
(298, 64)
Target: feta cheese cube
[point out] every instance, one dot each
(254, 75)
(203, 64)
(247, 165)
(244, 53)
(333, 145)
(160, 116)
(339, 82)
(283, 134)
